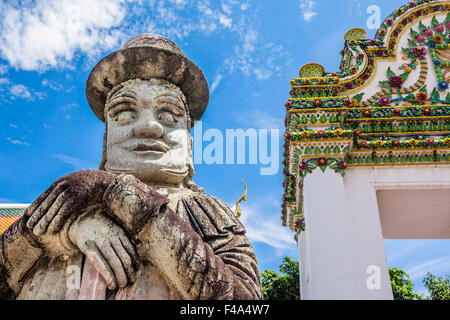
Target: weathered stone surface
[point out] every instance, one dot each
(93, 286)
(146, 57)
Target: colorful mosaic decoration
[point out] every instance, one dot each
(355, 34)
(311, 70)
(389, 104)
(8, 216)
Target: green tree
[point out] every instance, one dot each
(438, 287)
(285, 286)
(402, 287)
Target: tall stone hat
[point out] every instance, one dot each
(148, 56)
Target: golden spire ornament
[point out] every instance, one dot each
(243, 197)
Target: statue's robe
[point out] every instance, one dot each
(191, 246)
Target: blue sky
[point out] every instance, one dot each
(248, 50)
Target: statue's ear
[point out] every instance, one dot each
(190, 158)
(190, 163)
(102, 164)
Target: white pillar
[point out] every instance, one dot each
(342, 240)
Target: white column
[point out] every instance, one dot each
(369, 259)
(342, 240)
(304, 262)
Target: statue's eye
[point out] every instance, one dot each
(124, 117)
(166, 118)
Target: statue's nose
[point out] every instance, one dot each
(148, 128)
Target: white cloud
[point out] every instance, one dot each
(52, 34)
(434, 266)
(264, 226)
(52, 85)
(226, 8)
(262, 73)
(4, 81)
(179, 3)
(78, 164)
(69, 106)
(259, 119)
(179, 21)
(250, 39)
(20, 91)
(49, 33)
(225, 20)
(253, 56)
(398, 250)
(215, 83)
(17, 141)
(306, 9)
(3, 68)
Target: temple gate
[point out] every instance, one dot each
(367, 152)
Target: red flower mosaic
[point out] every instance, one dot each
(317, 103)
(396, 81)
(322, 161)
(367, 113)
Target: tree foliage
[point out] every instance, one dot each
(284, 286)
(402, 287)
(438, 287)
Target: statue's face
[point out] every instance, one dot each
(148, 133)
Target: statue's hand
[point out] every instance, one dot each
(68, 195)
(107, 247)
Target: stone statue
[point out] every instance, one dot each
(139, 222)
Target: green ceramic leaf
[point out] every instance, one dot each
(406, 51)
(358, 97)
(385, 84)
(410, 98)
(422, 27)
(434, 21)
(404, 75)
(395, 127)
(390, 73)
(435, 94)
(411, 43)
(332, 117)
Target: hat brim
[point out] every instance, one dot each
(146, 63)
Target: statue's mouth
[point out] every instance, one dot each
(148, 148)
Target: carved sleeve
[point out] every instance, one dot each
(18, 253)
(202, 250)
